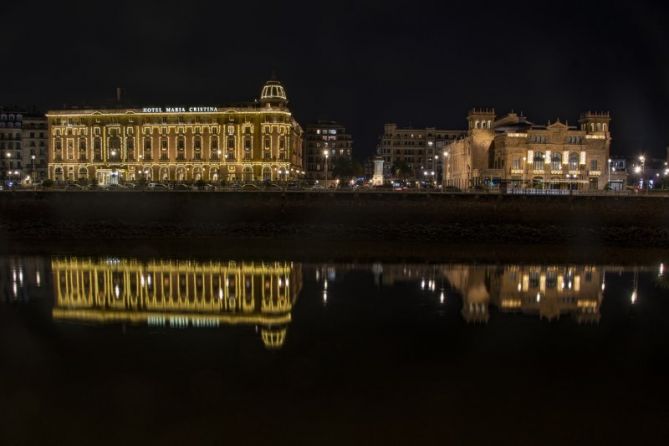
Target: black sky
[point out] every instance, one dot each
(363, 63)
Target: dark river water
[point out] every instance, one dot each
(113, 350)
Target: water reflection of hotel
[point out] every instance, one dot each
(178, 293)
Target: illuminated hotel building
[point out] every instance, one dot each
(253, 142)
(178, 293)
(515, 152)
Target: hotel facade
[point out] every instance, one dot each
(515, 153)
(259, 141)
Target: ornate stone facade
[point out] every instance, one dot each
(513, 152)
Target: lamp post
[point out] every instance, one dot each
(523, 166)
(609, 181)
(445, 170)
(32, 168)
(326, 154)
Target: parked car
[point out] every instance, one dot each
(158, 186)
(250, 187)
(74, 186)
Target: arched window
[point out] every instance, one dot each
(58, 173)
(599, 126)
(477, 125)
(114, 152)
(539, 158)
(83, 173)
(573, 161)
(181, 143)
(248, 174)
(231, 147)
(267, 144)
(266, 173)
(604, 126)
(556, 161)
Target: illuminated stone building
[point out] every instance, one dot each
(178, 293)
(23, 146)
(513, 152)
(252, 142)
(320, 137)
(420, 149)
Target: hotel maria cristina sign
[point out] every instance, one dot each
(179, 109)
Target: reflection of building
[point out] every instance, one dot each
(547, 291)
(420, 149)
(253, 142)
(518, 153)
(178, 293)
(23, 138)
(22, 278)
(324, 136)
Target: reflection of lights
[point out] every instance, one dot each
(14, 275)
(287, 281)
(227, 282)
(148, 279)
(520, 286)
(603, 286)
(325, 284)
(442, 296)
(21, 277)
(661, 269)
(14, 289)
(280, 282)
(569, 284)
(38, 278)
(422, 284)
(117, 291)
(318, 275)
(538, 297)
(220, 293)
(325, 296)
(141, 279)
(633, 298)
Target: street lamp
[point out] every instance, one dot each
(326, 154)
(609, 181)
(445, 169)
(32, 165)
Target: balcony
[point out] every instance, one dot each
(164, 157)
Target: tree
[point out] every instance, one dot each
(401, 169)
(342, 168)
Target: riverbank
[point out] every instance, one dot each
(305, 217)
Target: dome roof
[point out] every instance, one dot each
(273, 92)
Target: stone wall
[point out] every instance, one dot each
(637, 220)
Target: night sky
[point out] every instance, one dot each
(361, 63)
